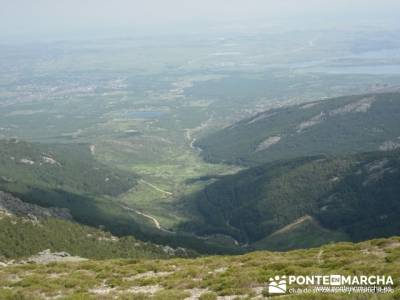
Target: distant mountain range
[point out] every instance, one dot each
(343, 125)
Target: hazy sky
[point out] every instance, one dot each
(51, 16)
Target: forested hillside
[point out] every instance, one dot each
(67, 167)
(23, 237)
(343, 125)
(304, 202)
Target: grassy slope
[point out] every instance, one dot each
(335, 126)
(351, 197)
(214, 276)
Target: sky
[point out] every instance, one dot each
(37, 17)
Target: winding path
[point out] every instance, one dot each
(151, 218)
(191, 131)
(155, 187)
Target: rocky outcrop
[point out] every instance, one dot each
(268, 143)
(12, 205)
(46, 257)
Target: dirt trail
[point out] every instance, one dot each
(293, 225)
(154, 220)
(319, 256)
(155, 187)
(151, 218)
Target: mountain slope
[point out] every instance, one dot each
(336, 126)
(26, 229)
(21, 237)
(228, 277)
(12, 205)
(346, 198)
(305, 232)
(66, 176)
(68, 167)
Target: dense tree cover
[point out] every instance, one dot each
(68, 167)
(67, 176)
(351, 197)
(22, 237)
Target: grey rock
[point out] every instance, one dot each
(46, 256)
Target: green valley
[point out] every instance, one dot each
(199, 150)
